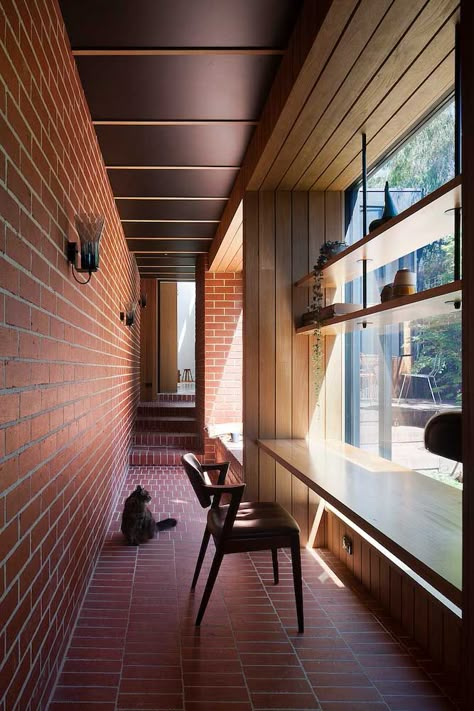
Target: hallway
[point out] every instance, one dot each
(135, 645)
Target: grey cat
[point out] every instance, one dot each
(138, 524)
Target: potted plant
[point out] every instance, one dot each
(326, 251)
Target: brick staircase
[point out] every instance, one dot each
(164, 430)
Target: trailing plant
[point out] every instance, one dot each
(326, 251)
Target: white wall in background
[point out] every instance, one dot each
(186, 327)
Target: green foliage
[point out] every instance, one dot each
(438, 349)
(425, 161)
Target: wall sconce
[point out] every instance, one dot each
(128, 315)
(86, 258)
(142, 300)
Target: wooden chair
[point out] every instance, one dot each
(241, 527)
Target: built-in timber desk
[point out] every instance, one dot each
(416, 518)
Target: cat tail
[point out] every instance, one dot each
(166, 523)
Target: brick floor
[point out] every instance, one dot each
(135, 645)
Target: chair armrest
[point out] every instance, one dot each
(224, 489)
(221, 467)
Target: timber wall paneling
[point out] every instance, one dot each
(149, 341)
(168, 344)
(282, 234)
(423, 618)
(467, 82)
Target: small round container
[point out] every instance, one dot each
(404, 283)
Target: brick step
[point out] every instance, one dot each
(155, 456)
(176, 397)
(166, 439)
(165, 424)
(170, 409)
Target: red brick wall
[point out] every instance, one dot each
(218, 349)
(223, 338)
(68, 366)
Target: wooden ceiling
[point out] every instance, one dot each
(375, 66)
(175, 89)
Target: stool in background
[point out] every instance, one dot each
(187, 375)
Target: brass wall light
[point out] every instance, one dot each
(128, 315)
(85, 259)
(142, 300)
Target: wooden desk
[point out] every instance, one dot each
(416, 518)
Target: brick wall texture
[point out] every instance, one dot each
(68, 367)
(219, 300)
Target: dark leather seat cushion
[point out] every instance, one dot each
(254, 520)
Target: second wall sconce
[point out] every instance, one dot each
(86, 258)
(142, 300)
(128, 315)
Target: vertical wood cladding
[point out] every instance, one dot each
(282, 235)
(423, 618)
(168, 343)
(69, 368)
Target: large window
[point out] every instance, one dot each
(398, 376)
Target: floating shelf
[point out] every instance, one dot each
(419, 225)
(424, 304)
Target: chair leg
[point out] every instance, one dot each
(202, 553)
(276, 577)
(296, 562)
(216, 564)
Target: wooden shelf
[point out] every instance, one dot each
(419, 225)
(424, 304)
(416, 518)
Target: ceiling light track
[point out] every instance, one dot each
(173, 239)
(181, 222)
(154, 197)
(191, 122)
(174, 51)
(172, 167)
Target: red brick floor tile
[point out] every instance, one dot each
(85, 693)
(150, 702)
(285, 701)
(217, 706)
(136, 647)
(347, 693)
(213, 694)
(273, 672)
(353, 706)
(81, 706)
(276, 685)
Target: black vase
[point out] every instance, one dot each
(389, 211)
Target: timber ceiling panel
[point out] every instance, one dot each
(201, 145)
(169, 229)
(175, 89)
(185, 88)
(209, 182)
(375, 67)
(171, 209)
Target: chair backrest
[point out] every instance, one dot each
(196, 477)
(443, 435)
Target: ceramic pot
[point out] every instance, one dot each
(387, 293)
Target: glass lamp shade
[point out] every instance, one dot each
(128, 315)
(89, 229)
